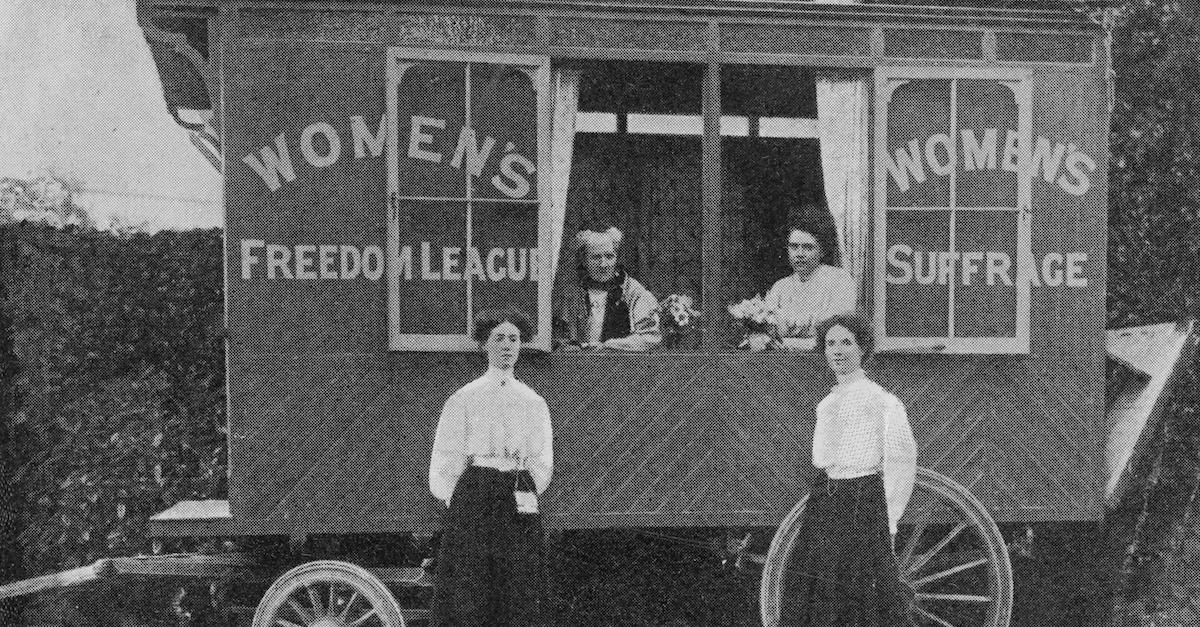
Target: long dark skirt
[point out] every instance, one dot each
(491, 564)
(843, 571)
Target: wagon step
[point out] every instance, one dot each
(175, 565)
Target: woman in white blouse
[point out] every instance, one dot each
(843, 571)
(492, 455)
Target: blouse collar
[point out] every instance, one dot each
(850, 379)
(496, 375)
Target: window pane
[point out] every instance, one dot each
(769, 182)
(433, 294)
(987, 113)
(985, 299)
(918, 145)
(431, 111)
(503, 110)
(917, 286)
(505, 236)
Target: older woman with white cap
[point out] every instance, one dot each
(606, 308)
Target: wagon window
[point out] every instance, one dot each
(952, 224)
(468, 213)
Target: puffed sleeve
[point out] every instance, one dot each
(643, 318)
(540, 461)
(449, 457)
(843, 298)
(899, 460)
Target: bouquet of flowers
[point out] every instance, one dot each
(678, 317)
(755, 316)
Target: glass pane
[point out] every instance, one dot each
(987, 115)
(918, 160)
(985, 296)
(917, 290)
(430, 115)
(501, 266)
(503, 159)
(433, 294)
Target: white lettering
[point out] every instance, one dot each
(404, 263)
(277, 259)
(976, 155)
(925, 272)
(1081, 183)
(450, 261)
(969, 267)
(1045, 160)
(372, 262)
(273, 165)
(327, 256)
(518, 263)
(474, 265)
(1052, 270)
(513, 184)
(909, 163)
(351, 261)
(495, 272)
(304, 262)
(476, 155)
(946, 263)
(896, 258)
(1075, 277)
(310, 151)
(931, 144)
(427, 273)
(998, 265)
(248, 256)
(418, 137)
(365, 140)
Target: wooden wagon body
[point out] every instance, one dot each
(331, 412)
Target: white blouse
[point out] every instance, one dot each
(492, 416)
(862, 429)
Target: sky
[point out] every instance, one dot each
(80, 98)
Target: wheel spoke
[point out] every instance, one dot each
(316, 602)
(358, 621)
(329, 607)
(286, 623)
(925, 557)
(346, 610)
(946, 573)
(964, 598)
(910, 546)
(303, 613)
(931, 616)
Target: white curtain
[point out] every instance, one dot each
(842, 109)
(564, 85)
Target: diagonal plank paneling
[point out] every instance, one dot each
(342, 444)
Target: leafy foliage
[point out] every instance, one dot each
(118, 339)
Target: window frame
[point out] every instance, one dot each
(538, 69)
(887, 80)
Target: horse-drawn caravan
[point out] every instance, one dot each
(391, 169)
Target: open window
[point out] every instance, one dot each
(952, 189)
(469, 210)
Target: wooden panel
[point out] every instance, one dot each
(405, 29)
(1045, 47)
(342, 444)
(631, 34)
(933, 44)
(772, 39)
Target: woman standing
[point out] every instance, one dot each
(843, 571)
(492, 454)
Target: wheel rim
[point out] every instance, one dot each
(328, 594)
(949, 550)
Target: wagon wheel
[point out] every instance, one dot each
(950, 551)
(328, 593)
